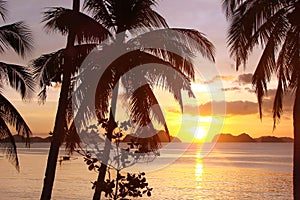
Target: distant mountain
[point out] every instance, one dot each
(20, 139)
(274, 139)
(231, 138)
(221, 138)
(162, 135)
(244, 137)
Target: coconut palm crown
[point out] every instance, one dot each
(275, 26)
(17, 37)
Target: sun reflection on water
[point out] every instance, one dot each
(198, 169)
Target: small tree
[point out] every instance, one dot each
(126, 155)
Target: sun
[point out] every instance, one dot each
(200, 133)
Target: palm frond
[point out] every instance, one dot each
(18, 77)
(140, 103)
(184, 42)
(143, 16)
(182, 63)
(8, 145)
(264, 8)
(168, 77)
(11, 116)
(100, 12)
(125, 15)
(104, 92)
(177, 47)
(48, 68)
(144, 107)
(72, 139)
(156, 111)
(64, 20)
(251, 24)
(272, 25)
(170, 80)
(229, 6)
(263, 72)
(196, 40)
(16, 36)
(287, 52)
(287, 68)
(288, 58)
(3, 9)
(82, 100)
(285, 65)
(267, 64)
(277, 105)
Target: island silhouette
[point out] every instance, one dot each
(244, 137)
(163, 137)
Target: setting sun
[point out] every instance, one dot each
(200, 133)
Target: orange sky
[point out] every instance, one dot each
(205, 16)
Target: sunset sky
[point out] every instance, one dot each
(203, 15)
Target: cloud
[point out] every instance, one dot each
(219, 78)
(231, 89)
(247, 107)
(250, 90)
(242, 107)
(288, 101)
(244, 79)
(231, 108)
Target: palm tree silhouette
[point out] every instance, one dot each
(82, 33)
(276, 26)
(121, 17)
(16, 36)
(113, 22)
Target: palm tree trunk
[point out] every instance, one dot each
(296, 118)
(58, 135)
(296, 170)
(102, 170)
(111, 126)
(60, 120)
(120, 37)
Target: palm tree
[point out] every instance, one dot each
(121, 17)
(14, 36)
(275, 26)
(59, 67)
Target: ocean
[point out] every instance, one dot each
(183, 171)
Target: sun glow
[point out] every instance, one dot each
(200, 133)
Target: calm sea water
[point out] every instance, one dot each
(229, 171)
